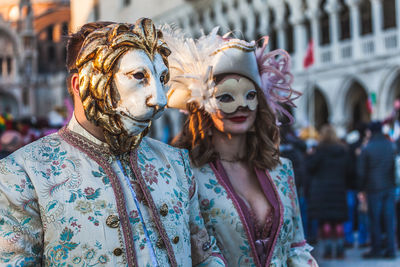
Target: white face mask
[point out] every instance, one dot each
(140, 84)
(236, 92)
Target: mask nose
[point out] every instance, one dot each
(242, 103)
(157, 100)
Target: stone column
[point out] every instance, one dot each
(220, 18)
(207, 23)
(313, 15)
(280, 24)
(281, 33)
(377, 20)
(398, 15)
(5, 70)
(354, 6)
(250, 21)
(300, 41)
(263, 14)
(185, 22)
(333, 8)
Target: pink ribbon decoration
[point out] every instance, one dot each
(276, 79)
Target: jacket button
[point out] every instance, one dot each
(164, 210)
(117, 252)
(160, 243)
(206, 246)
(112, 221)
(175, 240)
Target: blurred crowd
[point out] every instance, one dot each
(348, 187)
(17, 133)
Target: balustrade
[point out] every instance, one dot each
(390, 38)
(346, 50)
(368, 45)
(253, 19)
(326, 54)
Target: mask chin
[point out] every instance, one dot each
(128, 135)
(133, 127)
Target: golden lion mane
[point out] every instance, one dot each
(96, 61)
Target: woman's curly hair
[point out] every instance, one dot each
(262, 143)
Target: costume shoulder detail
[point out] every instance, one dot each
(158, 145)
(285, 161)
(36, 147)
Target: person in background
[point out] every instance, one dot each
(329, 167)
(10, 141)
(376, 176)
(355, 141)
(310, 137)
(293, 148)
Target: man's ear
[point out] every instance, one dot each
(75, 84)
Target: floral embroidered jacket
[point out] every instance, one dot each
(64, 202)
(227, 220)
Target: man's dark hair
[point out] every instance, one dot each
(74, 45)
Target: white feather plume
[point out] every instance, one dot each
(191, 64)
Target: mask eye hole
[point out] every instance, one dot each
(225, 98)
(138, 75)
(163, 77)
(251, 95)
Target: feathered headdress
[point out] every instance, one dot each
(194, 63)
(191, 69)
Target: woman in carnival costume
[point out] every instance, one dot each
(232, 92)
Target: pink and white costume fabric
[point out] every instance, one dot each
(228, 219)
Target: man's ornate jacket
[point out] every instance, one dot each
(64, 201)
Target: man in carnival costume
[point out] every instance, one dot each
(98, 192)
(232, 91)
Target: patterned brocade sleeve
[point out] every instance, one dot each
(205, 251)
(21, 229)
(300, 251)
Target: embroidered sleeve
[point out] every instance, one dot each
(188, 173)
(20, 225)
(300, 251)
(204, 250)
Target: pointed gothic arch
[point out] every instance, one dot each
(9, 104)
(317, 107)
(12, 36)
(321, 109)
(355, 105)
(389, 92)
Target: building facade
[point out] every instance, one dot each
(32, 59)
(356, 47)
